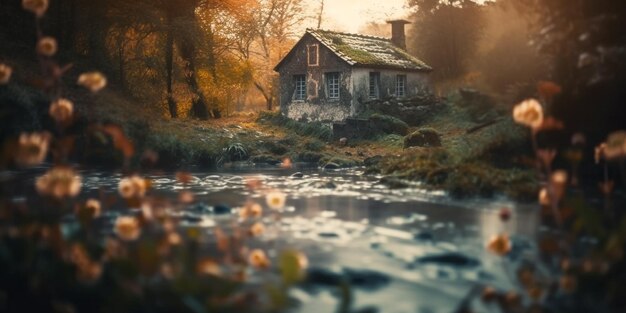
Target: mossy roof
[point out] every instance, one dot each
(368, 51)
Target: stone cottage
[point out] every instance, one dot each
(329, 76)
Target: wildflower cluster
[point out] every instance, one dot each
(572, 219)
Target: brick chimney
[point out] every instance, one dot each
(397, 32)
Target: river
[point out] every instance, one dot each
(406, 250)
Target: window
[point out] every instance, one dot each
(313, 54)
(374, 85)
(332, 85)
(300, 91)
(400, 85)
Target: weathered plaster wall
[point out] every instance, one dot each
(317, 106)
(360, 78)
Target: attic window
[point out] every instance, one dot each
(400, 85)
(313, 54)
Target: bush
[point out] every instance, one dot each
(389, 124)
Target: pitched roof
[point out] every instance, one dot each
(366, 51)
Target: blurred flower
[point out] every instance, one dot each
(559, 183)
(257, 229)
(174, 239)
(258, 259)
(254, 183)
(89, 272)
(599, 152)
(567, 283)
(47, 46)
(184, 177)
(61, 110)
(529, 113)
(286, 163)
(606, 187)
(127, 228)
(186, 197)
(208, 267)
(94, 207)
(251, 210)
(59, 182)
(615, 146)
(5, 74)
(579, 139)
(94, 81)
(548, 89)
(38, 7)
(544, 197)
(276, 200)
(131, 187)
(489, 294)
(32, 149)
(499, 244)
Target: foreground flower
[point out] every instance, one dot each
(32, 149)
(615, 147)
(127, 228)
(499, 244)
(59, 182)
(47, 46)
(257, 229)
(38, 7)
(276, 200)
(132, 187)
(94, 207)
(61, 110)
(529, 113)
(251, 210)
(293, 264)
(94, 81)
(5, 74)
(258, 259)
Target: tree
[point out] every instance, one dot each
(446, 34)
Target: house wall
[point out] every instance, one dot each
(317, 106)
(360, 80)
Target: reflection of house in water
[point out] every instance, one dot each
(329, 76)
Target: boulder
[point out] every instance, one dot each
(425, 137)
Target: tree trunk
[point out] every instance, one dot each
(169, 67)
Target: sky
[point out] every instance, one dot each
(352, 15)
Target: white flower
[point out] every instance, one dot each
(529, 113)
(276, 200)
(94, 81)
(47, 46)
(127, 228)
(61, 110)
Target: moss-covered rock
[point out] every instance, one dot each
(425, 137)
(388, 124)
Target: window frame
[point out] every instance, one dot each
(316, 50)
(333, 88)
(401, 85)
(299, 91)
(375, 83)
